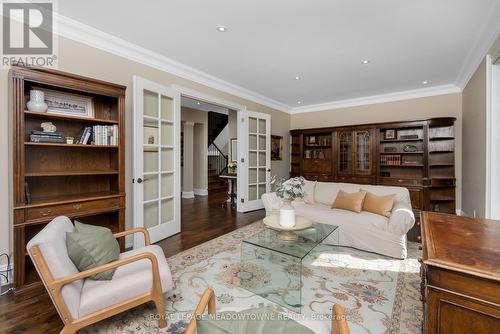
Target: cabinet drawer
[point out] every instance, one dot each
(317, 166)
(71, 208)
(443, 182)
(389, 181)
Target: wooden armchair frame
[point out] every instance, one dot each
(339, 322)
(54, 287)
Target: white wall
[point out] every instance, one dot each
(495, 143)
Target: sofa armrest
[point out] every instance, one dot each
(271, 202)
(401, 219)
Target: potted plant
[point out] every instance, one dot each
(288, 191)
(232, 167)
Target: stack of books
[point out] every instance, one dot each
(46, 137)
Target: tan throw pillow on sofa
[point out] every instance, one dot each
(380, 205)
(349, 201)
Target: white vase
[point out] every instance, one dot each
(37, 101)
(287, 214)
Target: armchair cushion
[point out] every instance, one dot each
(129, 281)
(52, 242)
(92, 246)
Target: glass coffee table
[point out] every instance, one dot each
(277, 265)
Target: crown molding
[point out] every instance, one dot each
(85, 34)
(488, 33)
(382, 98)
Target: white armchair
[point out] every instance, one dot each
(141, 275)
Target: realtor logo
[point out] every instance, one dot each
(28, 34)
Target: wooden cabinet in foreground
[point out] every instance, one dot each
(460, 274)
(52, 177)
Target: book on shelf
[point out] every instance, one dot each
(105, 135)
(390, 160)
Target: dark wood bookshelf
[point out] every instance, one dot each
(84, 182)
(354, 155)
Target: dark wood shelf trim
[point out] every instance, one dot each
(69, 145)
(70, 173)
(418, 152)
(399, 140)
(38, 202)
(69, 118)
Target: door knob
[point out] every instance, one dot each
(269, 170)
(139, 180)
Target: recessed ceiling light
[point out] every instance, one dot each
(221, 28)
(299, 102)
(198, 103)
(425, 82)
(366, 61)
(297, 78)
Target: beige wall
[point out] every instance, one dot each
(449, 105)
(232, 122)
(200, 168)
(474, 143)
(81, 59)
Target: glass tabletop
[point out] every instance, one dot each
(307, 240)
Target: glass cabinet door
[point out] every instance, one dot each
(363, 154)
(345, 152)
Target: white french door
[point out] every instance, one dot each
(156, 132)
(254, 159)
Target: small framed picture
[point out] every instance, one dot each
(61, 103)
(150, 135)
(276, 147)
(390, 134)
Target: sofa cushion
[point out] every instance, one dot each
(309, 188)
(380, 205)
(92, 246)
(325, 214)
(52, 242)
(349, 201)
(129, 281)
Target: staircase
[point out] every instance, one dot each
(217, 161)
(214, 182)
(216, 122)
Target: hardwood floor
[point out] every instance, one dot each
(203, 219)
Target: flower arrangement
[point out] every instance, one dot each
(290, 189)
(231, 167)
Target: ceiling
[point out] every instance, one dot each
(203, 106)
(270, 42)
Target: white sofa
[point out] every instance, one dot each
(366, 231)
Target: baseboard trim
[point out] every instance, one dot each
(188, 194)
(201, 192)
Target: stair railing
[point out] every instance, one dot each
(216, 159)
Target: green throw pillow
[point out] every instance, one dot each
(255, 321)
(92, 246)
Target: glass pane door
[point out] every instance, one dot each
(155, 167)
(257, 167)
(345, 152)
(363, 152)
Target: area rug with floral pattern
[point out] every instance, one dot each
(380, 294)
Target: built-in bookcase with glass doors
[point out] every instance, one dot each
(156, 159)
